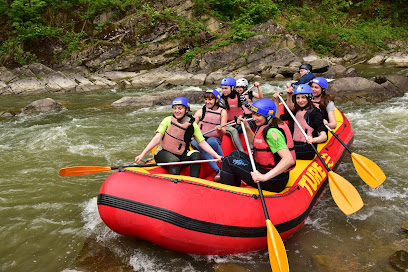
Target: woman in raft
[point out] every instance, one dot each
(310, 119)
(323, 101)
(211, 119)
(174, 134)
(273, 151)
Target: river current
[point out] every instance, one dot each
(51, 223)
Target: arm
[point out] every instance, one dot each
(207, 148)
(289, 101)
(285, 163)
(278, 144)
(317, 124)
(155, 141)
(332, 120)
(258, 95)
(198, 115)
(244, 101)
(332, 123)
(224, 119)
(276, 100)
(248, 129)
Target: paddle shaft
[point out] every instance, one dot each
(166, 163)
(251, 158)
(230, 123)
(304, 133)
(338, 138)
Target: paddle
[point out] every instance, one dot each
(85, 170)
(230, 123)
(369, 172)
(344, 193)
(276, 248)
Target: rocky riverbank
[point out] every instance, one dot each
(274, 54)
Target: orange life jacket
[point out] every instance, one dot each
(209, 120)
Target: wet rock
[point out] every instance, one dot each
(405, 226)
(350, 88)
(397, 60)
(351, 72)
(376, 60)
(158, 99)
(399, 260)
(43, 105)
(6, 114)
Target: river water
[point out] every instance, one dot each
(51, 223)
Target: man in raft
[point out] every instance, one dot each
(273, 151)
(174, 134)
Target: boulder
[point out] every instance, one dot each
(397, 60)
(43, 105)
(405, 226)
(399, 260)
(159, 99)
(376, 60)
(354, 88)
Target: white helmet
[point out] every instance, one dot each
(242, 82)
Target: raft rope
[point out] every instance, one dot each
(255, 196)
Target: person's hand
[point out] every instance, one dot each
(309, 140)
(241, 119)
(219, 158)
(139, 158)
(289, 90)
(276, 97)
(325, 122)
(256, 176)
(256, 84)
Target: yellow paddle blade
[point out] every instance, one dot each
(344, 194)
(369, 172)
(81, 170)
(276, 248)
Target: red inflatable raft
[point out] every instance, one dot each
(199, 216)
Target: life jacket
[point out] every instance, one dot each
(178, 136)
(249, 97)
(263, 155)
(209, 120)
(323, 111)
(235, 108)
(302, 116)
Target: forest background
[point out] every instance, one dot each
(49, 31)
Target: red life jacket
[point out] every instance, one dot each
(248, 97)
(175, 139)
(302, 117)
(235, 108)
(209, 120)
(263, 155)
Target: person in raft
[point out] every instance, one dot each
(323, 101)
(310, 119)
(242, 88)
(174, 134)
(211, 117)
(233, 102)
(274, 155)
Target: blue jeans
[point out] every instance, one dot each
(215, 144)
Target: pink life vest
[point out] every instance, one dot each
(263, 155)
(234, 108)
(173, 139)
(209, 121)
(297, 134)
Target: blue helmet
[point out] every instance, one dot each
(264, 107)
(215, 93)
(302, 89)
(322, 82)
(180, 101)
(228, 81)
